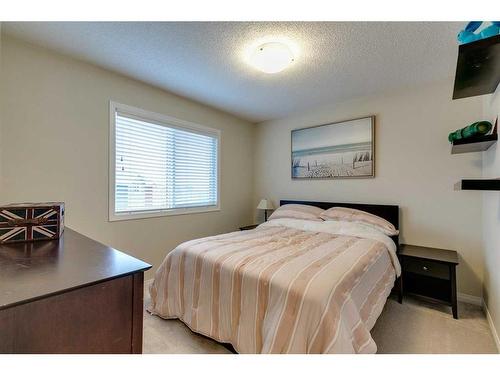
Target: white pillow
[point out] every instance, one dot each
(297, 211)
(358, 216)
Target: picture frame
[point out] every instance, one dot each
(336, 150)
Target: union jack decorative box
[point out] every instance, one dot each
(25, 222)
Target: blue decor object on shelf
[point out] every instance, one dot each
(492, 30)
(468, 34)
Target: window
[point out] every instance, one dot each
(160, 165)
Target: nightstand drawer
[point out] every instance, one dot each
(427, 268)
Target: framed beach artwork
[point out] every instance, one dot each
(343, 149)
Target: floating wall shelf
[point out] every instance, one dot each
(475, 144)
(478, 68)
(482, 184)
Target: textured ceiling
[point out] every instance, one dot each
(204, 60)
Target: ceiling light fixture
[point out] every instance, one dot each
(272, 57)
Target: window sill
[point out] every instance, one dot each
(146, 215)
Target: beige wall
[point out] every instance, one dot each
(491, 219)
(414, 168)
(55, 131)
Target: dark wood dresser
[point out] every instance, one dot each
(72, 295)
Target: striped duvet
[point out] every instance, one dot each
(288, 286)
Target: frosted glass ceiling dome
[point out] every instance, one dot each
(272, 57)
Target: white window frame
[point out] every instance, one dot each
(162, 120)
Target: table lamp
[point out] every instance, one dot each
(265, 205)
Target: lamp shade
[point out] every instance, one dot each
(265, 204)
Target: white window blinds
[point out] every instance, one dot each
(160, 167)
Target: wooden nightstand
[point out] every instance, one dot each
(248, 227)
(430, 273)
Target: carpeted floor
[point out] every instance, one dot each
(427, 328)
(413, 327)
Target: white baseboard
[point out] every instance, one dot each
(492, 327)
(467, 298)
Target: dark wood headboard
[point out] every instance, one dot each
(387, 212)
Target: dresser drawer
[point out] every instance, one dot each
(426, 268)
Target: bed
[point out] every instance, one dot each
(287, 286)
